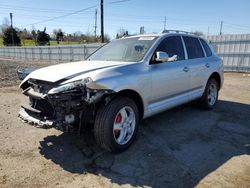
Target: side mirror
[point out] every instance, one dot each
(161, 56)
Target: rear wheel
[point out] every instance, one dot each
(116, 124)
(210, 95)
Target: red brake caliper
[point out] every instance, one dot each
(118, 119)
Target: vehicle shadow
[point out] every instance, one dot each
(176, 148)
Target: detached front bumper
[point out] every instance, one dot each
(35, 121)
(39, 122)
(63, 110)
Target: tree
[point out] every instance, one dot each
(53, 37)
(42, 38)
(198, 33)
(34, 35)
(5, 23)
(7, 37)
(25, 35)
(121, 33)
(59, 36)
(106, 38)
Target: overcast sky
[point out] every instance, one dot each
(79, 15)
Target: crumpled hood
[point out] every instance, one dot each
(69, 70)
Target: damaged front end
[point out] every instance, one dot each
(65, 107)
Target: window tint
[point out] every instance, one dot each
(193, 46)
(173, 46)
(206, 48)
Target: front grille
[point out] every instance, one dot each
(42, 105)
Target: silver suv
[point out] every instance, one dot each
(122, 83)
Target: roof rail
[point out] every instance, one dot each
(174, 31)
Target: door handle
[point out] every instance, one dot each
(207, 65)
(186, 69)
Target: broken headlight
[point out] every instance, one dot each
(70, 86)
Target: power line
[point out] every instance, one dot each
(36, 9)
(238, 25)
(65, 15)
(236, 28)
(119, 1)
(33, 10)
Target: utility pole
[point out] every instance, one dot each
(165, 22)
(221, 25)
(95, 21)
(102, 26)
(12, 32)
(208, 30)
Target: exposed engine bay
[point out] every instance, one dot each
(65, 107)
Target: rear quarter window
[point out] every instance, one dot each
(193, 47)
(206, 48)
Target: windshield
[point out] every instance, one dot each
(128, 49)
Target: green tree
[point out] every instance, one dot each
(59, 36)
(7, 37)
(34, 35)
(42, 38)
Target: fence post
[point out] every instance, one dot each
(13, 53)
(71, 53)
(247, 64)
(25, 53)
(49, 53)
(32, 53)
(84, 51)
(20, 53)
(40, 53)
(60, 54)
(4, 54)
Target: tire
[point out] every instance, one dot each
(116, 124)
(210, 95)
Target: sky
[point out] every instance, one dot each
(79, 15)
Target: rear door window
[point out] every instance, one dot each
(206, 48)
(173, 47)
(193, 47)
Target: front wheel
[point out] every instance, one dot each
(210, 95)
(116, 124)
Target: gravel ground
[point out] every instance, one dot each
(182, 147)
(9, 68)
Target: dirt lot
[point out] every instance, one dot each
(183, 147)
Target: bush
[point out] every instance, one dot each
(7, 37)
(42, 38)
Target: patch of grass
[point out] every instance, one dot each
(32, 42)
(28, 43)
(1, 41)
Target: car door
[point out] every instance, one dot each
(197, 64)
(170, 80)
